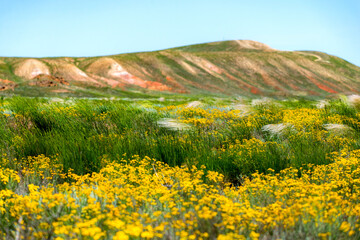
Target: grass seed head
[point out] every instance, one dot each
(338, 129)
(173, 124)
(354, 100)
(277, 129)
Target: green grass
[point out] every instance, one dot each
(82, 131)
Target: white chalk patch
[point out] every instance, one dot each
(36, 72)
(81, 73)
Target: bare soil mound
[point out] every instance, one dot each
(107, 70)
(106, 67)
(30, 68)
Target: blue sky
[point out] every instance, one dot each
(38, 28)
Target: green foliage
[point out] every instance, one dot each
(81, 132)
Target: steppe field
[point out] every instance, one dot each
(206, 168)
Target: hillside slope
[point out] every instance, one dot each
(240, 67)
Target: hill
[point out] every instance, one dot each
(240, 67)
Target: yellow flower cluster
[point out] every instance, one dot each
(143, 198)
(199, 122)
(303, 118)
(207, 118)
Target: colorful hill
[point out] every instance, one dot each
(240, 67)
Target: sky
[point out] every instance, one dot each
(40, 28)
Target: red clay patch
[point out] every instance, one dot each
(5, 81)
(326, 88)
(271, 82)
(156, 86)
(255, 90)
(113, 83)
(240, 83)
(321, 86)
(294, 87)
(176, 87)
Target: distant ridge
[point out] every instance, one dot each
(239, 67)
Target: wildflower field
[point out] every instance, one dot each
(210, 169)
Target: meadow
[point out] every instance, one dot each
(155, 169)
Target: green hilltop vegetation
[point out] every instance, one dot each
(228, 68)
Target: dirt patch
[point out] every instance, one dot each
(61, 91)
(156, 86)
(255, 90)
(45, 77)
(133, 80)
(321, 86)
(112, 82)
(44, 80)
(253, 45)
(175, 84)
(318, 58)
(44, 83)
